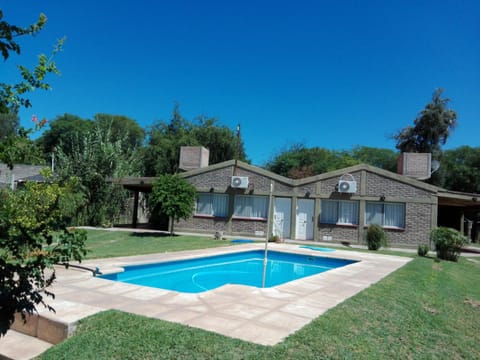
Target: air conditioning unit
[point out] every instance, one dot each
(346, 186)
(239, 182)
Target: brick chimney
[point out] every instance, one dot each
(193, 157)
(415, 165)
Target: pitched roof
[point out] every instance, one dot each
(315, 178)
(21, 172)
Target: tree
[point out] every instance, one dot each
(27, 250)
(382, 158)
(431, 129)
(222, 142)
(17, 147)
(121, 127)
(93, 158)
(9, 125)
(462, 169)
(162, 153)
(61, 131)
(300, 162)
(29, 215)
(172, 196)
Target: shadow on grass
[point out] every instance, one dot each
(152, 234)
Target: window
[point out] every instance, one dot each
(211, 204)
(339, 212)
(250, 206)
(385, 214)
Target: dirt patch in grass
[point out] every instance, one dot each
(473, 303)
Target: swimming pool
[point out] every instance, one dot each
(243, 268)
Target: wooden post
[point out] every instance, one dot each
(135, 209)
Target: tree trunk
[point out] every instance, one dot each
(171, 225)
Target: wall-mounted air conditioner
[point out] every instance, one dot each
(239, 182)
(347, 186)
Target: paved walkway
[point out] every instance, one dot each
(263, 316)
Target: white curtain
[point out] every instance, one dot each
(385, 214)
(251, 206)
(339, 212)
(212, 204)
(374, 213)
(329, 212)
(348, 212)
(395, 215)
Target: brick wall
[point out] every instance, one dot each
(419, 202)
(380, 185)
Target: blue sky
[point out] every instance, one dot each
(333, 74)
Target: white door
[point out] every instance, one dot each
(304, 223)
(282, 211)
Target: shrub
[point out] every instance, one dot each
(273, 238)
(448, 243)
(376, 237)
(422, 250)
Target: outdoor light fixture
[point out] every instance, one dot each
(382, 198)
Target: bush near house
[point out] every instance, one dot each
(448, 243)
(422, 250)
(376, 237)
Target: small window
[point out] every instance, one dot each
(254, 207)
(341, 212)
(210, 204)
(385, 214)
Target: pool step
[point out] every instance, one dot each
(17, 346)
(48, 326)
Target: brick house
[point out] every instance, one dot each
(239, 199)
(313, 208)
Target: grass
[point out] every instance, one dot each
(426, 309)
(104, 243)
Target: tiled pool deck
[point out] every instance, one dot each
(263, 316)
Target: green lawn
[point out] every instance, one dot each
(427, 309)
(104, 243)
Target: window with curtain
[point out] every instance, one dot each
(249, 206)
(212, 204)
(385, 214)
(339, 212)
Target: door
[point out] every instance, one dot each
(304, 219)
(282, 211)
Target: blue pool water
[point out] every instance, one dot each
(243, 268)
(318, 248)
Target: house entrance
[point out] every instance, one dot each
(304, 219)
(282, 213)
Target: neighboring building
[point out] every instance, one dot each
(19, 174)
(238, 199)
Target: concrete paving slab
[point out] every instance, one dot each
(18, 346)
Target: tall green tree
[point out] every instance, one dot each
(61, 131)
(172, 196)
(462, 169)
(162, 152)
(431, 129)
(382, 158)
(94, 157)
(9, 125)
(122, 127)
(299, 161)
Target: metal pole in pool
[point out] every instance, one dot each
(266, 237)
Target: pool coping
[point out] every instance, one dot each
(263, 316)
